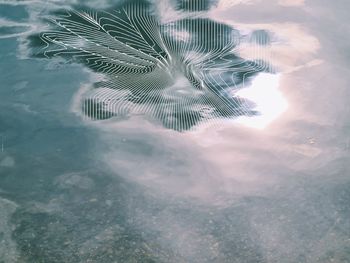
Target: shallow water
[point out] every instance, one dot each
(267, 187)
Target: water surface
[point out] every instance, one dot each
(268, 186)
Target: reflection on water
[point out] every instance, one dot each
(118, 187)
(182, 72)
(269, 101)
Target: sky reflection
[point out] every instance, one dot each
(133, 190)
(269, 101)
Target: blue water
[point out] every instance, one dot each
(130, 189)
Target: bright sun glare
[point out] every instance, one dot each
(269, 101)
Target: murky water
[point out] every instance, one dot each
(264, 179)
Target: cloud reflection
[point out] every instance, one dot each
(181, 73)
(268, 100)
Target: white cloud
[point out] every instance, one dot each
(291, 2)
